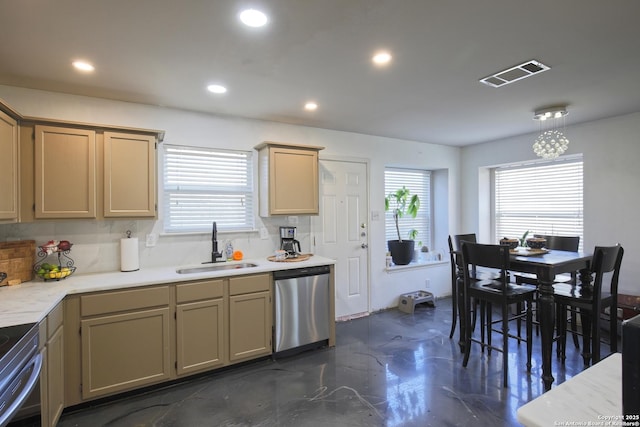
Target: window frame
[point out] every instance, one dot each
(237, 167)
(425, 212)
(545, 224)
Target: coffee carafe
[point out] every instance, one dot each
(288, 241)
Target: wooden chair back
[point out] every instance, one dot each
(606, 259)
(483, 255)
(561, 243)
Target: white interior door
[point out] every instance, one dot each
(341, 232)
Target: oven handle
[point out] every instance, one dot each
(36, 361)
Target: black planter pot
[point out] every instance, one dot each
(401, 251)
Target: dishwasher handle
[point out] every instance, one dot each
(301, 272)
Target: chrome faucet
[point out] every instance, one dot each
(215, 254)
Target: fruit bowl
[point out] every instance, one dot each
(53, 246)
(53, 272)
(536, 242)
(512, 243)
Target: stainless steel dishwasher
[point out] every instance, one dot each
(301, 307)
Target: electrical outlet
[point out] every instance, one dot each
(427, 283)
(152, 239)
(264, 233)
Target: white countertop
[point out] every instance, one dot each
(593, 397)
(30, 302)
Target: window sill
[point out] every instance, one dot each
(414, 266)
(195, 233)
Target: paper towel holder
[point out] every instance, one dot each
(129, 258)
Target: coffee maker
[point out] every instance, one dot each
(288, 241)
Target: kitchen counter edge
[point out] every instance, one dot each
(30, 302)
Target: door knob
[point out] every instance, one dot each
(364, 246)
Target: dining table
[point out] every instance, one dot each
(545, 265)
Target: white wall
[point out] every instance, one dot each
(611, 153)
(96, 244)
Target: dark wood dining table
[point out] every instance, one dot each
(545, 267)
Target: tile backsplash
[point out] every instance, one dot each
(96, 244)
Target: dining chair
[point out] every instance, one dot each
(456, 276)
(495, 292)
(453, 260)
(591, 301)
(559, 243)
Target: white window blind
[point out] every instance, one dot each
(418, 182)
(542, 198)
(203, 185)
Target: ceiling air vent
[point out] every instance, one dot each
(513, 74)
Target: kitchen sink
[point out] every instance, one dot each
(214, 267)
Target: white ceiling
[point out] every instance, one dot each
(165, 52)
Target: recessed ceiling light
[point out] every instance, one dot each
(381, 58)
(83, 66)
(216, 89)
(253, 18)
(310, 106)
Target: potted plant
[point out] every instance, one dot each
(402, 203)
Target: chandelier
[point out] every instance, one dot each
(551, 142)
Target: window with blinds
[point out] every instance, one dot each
(418, 182)
(544, 198)
(203, 185)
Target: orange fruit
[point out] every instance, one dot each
(237, 255)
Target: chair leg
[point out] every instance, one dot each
(454, 317)
(475, 314)
(595, 338)
(483, 307)
(529, 335)
(489, 310)
(558, 330)
(613, 327)
(574, 329)
(464, 306)
(519, 321)
(468, 333)
(536, 310)
(505, 345)
(585, 318)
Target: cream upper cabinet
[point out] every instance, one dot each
(288, 179)
(65, 172)
(129, 175)
(8, 167)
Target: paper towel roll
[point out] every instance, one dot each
(129, 254)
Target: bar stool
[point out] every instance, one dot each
(498, 292)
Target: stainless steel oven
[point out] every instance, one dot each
(20, 364)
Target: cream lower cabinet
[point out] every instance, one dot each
(200, 326)
(118, 341)
(52, 378)
(125, 339)
(250, 317)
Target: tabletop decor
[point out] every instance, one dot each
(60, 267)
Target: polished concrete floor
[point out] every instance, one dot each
(387, 369)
